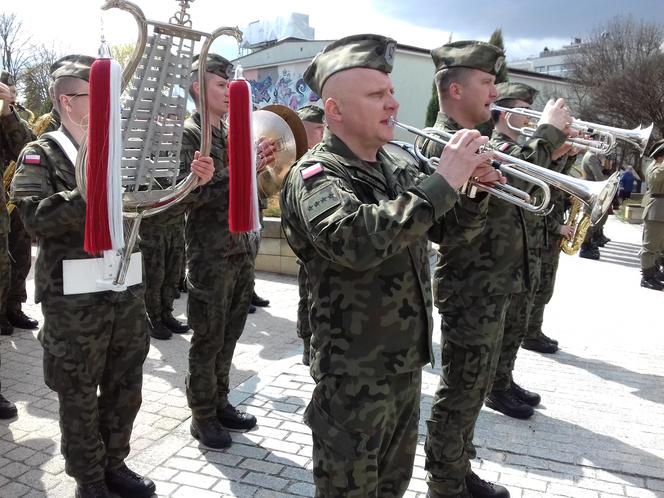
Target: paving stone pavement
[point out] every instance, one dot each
(599, 432)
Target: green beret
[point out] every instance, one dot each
(311, 113)
(368, 51)
(215, 64)
(470, 54)
(7, 78)
(657, 149)
(74, 65)
(514, 90)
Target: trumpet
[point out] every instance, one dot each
(637, 137)
(596, 196)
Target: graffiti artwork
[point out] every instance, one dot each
(289, 89)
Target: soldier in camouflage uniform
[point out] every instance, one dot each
(358, 219)
(220, 265)
(93, 341)
(14, 134)
(162, 246)
(592, 170)
(652, 251)
(313, 118)
(19, 242)
(481, 272)
(547, 143)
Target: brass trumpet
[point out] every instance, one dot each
(596, 196)
(638, 137)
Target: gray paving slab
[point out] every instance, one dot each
(598, 433)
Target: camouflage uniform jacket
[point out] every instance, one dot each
(556, 218)
(591, 165)
(52, 208)
(492, 263)
(360, 229)
(207, 235)
(14, 134)
(653, 200)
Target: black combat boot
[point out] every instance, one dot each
(7, 408)
(159, 331)
(252, 309)
(433, 494)
(175, 326)
(125, 482)
(589, 251)
(21, 320)
(602, 240)
(649, 279)
(256, 300)
(210, 432)
(506, 402)
(234, 419)
(306, 351)
(97, 489)
(6, 328)
(528, 397)
(539, 344)
(479, 488)
(548, 339)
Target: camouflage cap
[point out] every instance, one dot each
(367, 51)
(657, 149)
(7, 78)
(470, 54)
(312, 114)
(74, 65)
(215, 64)
(518, 91)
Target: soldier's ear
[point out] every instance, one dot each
(332, 110)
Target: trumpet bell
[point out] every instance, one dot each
(283, 126)
(600, 196)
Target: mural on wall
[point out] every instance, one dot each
(280, 85)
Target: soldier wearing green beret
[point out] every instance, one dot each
(545, 148)
(220, 265)
(358, 218)
(313, 118)
(652, 251)
(94, 342)
(481, 271)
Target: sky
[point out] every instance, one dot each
(528, 26)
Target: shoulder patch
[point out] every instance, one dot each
(320, 201)
(32, 159)
(310, 171)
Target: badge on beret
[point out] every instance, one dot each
(500, 62)
(389, 53)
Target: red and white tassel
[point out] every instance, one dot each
(103, 219)
(243, 213)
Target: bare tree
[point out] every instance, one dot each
(36, 80)
(618, 74)
(14, 45)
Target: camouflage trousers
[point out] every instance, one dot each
(217, 319)
(163, 259)
(303, 327)
(516, 323)
(364, 432)
(652, 250)
(472, 330)
(20, 247)
(5, 272)
(89, 348)
(544, 293)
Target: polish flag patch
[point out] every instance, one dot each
(32, 159)
(312, 170)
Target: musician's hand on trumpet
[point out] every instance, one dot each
(556, 113)
(265, 153)
(461, 159)
(203, 168)
(566, 231)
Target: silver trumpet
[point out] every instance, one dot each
(638, 137)
(596, 196)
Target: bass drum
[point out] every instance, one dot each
(406, 151)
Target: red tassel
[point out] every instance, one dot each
(97, 232)
(243, 200)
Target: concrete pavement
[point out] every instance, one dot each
(599, 432)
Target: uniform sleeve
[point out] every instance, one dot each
(360, 236)
(655, 174)
(44, 211)
(16, 132)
